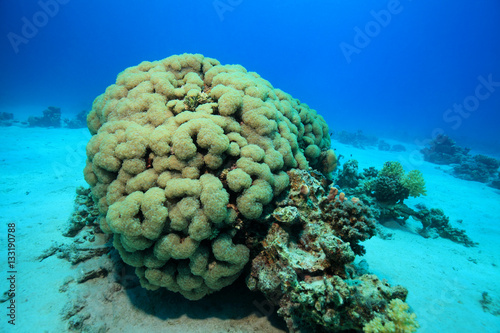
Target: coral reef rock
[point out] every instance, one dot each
(444, 150)
(51, 118)
(305, 268)
(6, 119)
(356, 139)
(384, 192)
(480, 168)
(434, 221)
(495, 183)
(85, 213)
(79, 121)
(182, 151)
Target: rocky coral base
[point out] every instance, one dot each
(305, 264)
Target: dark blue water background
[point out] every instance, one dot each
(391, 68)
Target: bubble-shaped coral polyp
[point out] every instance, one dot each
(182, 150)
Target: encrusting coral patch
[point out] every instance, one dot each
(182, 150)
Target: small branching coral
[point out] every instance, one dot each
(392, 185)
(415, 183)
(392, 169)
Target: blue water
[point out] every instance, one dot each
(401, 77)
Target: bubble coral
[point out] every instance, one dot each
(184, 148)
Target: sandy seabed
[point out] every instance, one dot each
(42, 167)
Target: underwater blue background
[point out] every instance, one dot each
(399, 82)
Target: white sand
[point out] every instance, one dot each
(42, 167)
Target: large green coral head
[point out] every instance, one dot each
(182, 151)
